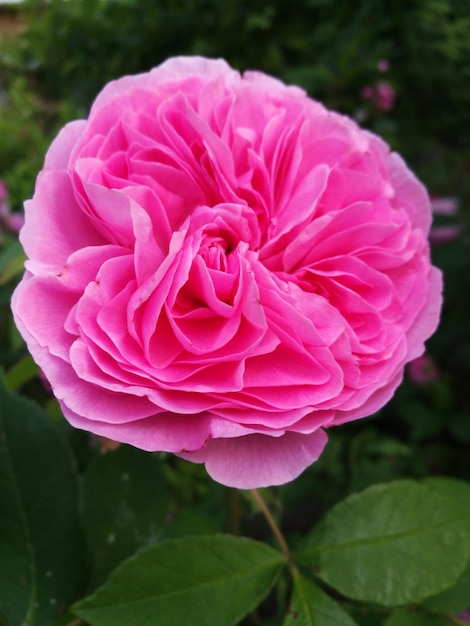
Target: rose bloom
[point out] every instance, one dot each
(221, 268)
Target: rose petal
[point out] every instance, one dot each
(257, 460)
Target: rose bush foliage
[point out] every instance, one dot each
(220, 268)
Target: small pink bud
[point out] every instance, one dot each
(384, 96)
(383, 66)
(381, 95)
(440, 235)
(464, 617)
(8, 220)
(423, 370)
(15, 222)
(3, 192)
(444, 206)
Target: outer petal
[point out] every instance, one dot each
(175, 68)
(164, 433)
(58, 155)
(258, 460)
(48, 237)
(407, 188)
(428, 318)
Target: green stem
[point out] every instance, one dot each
(276, 532)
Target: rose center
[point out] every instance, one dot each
(214, 250)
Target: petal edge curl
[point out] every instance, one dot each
(257, 460)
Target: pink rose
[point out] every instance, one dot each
(220, 268)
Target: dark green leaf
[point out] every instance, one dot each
(12, 260)
(403, 617)
(23, 371)
(453, 600)
(310, 606)
(195, 581)
(124, 506)
(41, 549)
(457, 598)
(392, 544)
(190, 521)
(450, 487)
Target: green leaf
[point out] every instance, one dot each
(12, 260)
(23, 371)
(450, 487)
(41, 548)
(124, 506)
(392, 544)
(453, 600)
(403, 617)
(457, 598)
(195, 581)
(190, 521)
(310, 606)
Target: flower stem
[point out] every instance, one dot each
(276, 531)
